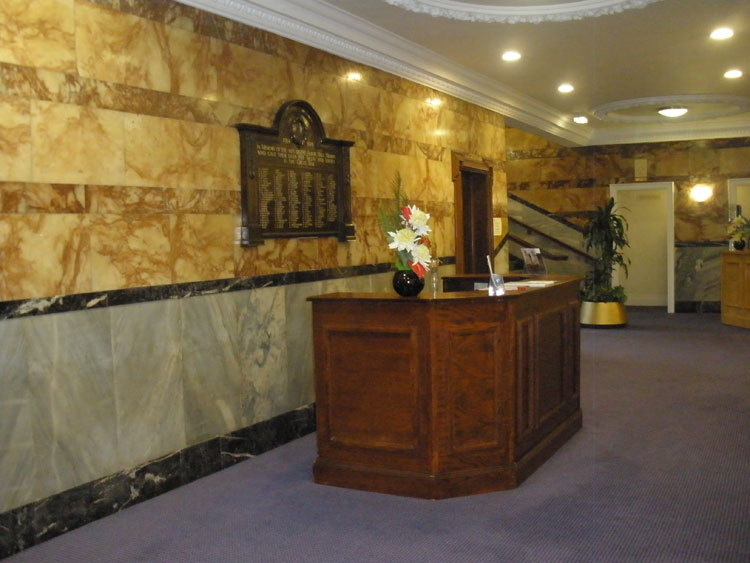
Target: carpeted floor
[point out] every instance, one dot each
(659, 473)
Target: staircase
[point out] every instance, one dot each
(560, 241)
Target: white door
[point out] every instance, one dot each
(649, 210)
(739, 194)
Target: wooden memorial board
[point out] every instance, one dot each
(295, 180)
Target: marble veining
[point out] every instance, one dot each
(77, 302)
(39, 521)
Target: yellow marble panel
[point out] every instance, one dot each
(15, 139)
(129, 251)
(180, 154)
(118, 47)
(735, 161)
(671, 163)
(38, 34)
(251, 78)
(202, 247)
(75, 145)
(43, 255)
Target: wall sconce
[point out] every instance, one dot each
(701, 192)
(434, 102)
(354, 76)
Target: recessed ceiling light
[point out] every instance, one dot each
(722, 33)
(565, 88)
(673, 111)
(354, 76)
(511, 56)
(580, 119)
(734, 73)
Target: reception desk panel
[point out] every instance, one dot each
(447, 395)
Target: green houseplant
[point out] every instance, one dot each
(605, 235)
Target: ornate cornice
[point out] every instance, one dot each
(717, 105)
(330, 29)
(510, 12)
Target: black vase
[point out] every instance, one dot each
(407, 283)
(738, 244)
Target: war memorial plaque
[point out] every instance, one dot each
(295, 181)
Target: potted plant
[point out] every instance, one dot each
(605, 235)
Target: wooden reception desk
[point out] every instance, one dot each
(447, 395)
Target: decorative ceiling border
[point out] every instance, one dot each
(560, 11)
(335, 31)
(731, 105)
(653, 133)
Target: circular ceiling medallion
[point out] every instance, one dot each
(645, 110)
(518, 11)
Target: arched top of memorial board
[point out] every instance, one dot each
(297, 122)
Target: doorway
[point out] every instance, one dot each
(649, 210)
(739, 194)
(473, 200)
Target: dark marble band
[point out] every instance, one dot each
(95, 300)
(25, 526)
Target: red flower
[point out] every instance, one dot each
(406, 212)
(417, 268)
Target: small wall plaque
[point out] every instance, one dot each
(295, 180)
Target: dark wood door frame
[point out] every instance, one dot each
(468, 262)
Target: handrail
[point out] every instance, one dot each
(525, 244)
(557, 241)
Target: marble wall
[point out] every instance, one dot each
(570, 181)
(120, 167)
(119, 170)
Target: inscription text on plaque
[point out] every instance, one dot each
(295, 181)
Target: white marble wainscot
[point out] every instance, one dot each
(234, 368)
(147, 363)
(74, 419)
(698, 274)
(16, 437)
(105, 407)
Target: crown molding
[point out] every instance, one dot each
(514, 13)
(641, 133)
(317, 24)
(330, 29)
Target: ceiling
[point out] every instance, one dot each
(625, 58)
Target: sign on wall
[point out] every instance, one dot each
(295, 181)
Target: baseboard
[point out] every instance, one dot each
(34, 523)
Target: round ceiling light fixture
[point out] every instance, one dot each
(565, 88)
(580, 119)
(672, 111)
(519, 11)
(511, 56)
(644, 110)
(733, 73)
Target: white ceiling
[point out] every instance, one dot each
(625, 58)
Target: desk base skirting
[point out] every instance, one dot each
(450, 484)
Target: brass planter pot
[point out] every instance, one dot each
(605, 314)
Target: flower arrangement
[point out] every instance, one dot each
(739, 228)
(406, 229)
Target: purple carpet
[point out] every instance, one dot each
(660, 472)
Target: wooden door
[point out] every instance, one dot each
(473, 197)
